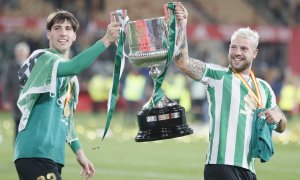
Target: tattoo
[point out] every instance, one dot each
(196, 68)
(181, 40)
(179, 56)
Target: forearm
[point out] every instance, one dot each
(194, 68)
(279, 117)
(281, 126)
(82, 61)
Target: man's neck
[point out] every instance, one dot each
(64, 55)
(245, 72)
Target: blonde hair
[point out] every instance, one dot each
(247, 33)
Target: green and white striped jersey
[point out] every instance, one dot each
(231, 108)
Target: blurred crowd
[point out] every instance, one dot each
(136, 84)
(282, 12)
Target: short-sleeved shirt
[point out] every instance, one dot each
(231, 108)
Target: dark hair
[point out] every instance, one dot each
(60, 16)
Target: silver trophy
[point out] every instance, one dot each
(148, 46)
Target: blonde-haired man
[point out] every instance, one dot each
(237, 102)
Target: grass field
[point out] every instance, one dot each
(121, 158)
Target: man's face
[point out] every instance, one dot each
(241, 54)
(61, 36)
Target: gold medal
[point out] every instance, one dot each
(256, 95)
(67, 111)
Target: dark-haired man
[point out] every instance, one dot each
(48, 98)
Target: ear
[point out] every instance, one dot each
(75, 36)
(255, 53)
(48, 34)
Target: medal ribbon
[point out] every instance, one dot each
(68, 96)
(158, 93)
(257, 95)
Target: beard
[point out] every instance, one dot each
(239, 66)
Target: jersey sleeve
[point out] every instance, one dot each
(72, 137)
(213, 71)
(75, 145)
(269, 94)
(82, 61)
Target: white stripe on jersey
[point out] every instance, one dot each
(233, 123)
(210, 129)
(218, 99)
(248, 132)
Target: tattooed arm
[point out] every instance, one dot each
(192, 67)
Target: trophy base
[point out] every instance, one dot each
(162, 123)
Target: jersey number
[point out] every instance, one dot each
(50, 176)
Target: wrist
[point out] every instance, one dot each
(106, 42)
(282, 117)
(75, 146)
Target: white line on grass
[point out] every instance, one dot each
(137, 174)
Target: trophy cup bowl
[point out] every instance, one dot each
(148, 45)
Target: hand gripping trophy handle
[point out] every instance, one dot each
(180, 29)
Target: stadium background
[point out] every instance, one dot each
(210, 26)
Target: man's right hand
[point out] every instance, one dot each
(112, 33)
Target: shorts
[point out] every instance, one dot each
(38, 169)
(227, 172)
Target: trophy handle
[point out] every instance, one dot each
(180, 28)
(125, 54)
